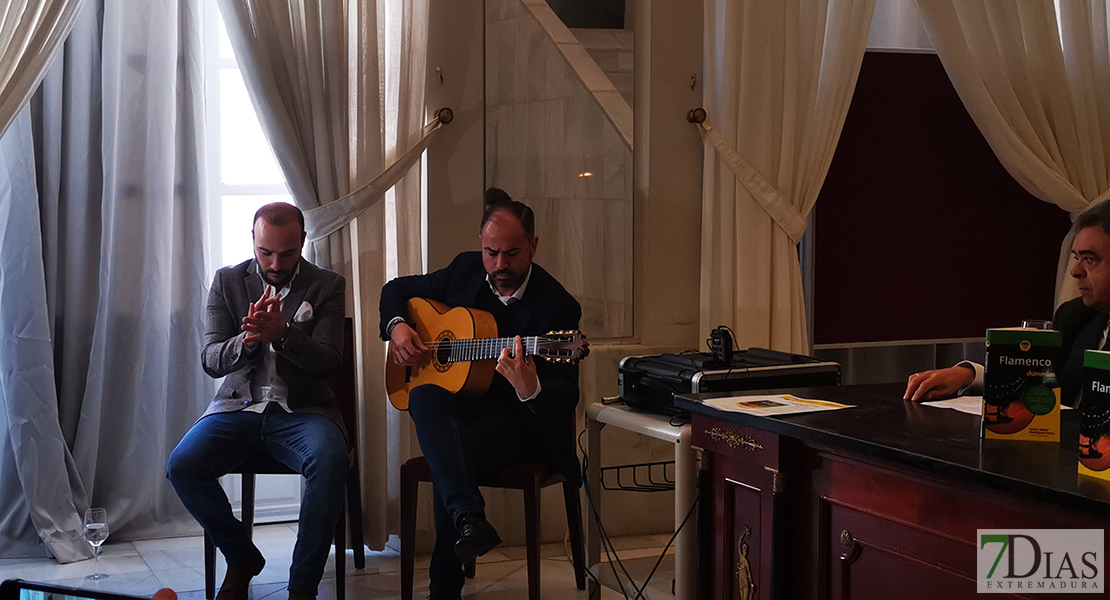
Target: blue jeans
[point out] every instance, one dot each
(311, 444)
(466, 441)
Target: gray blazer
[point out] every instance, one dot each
(312, 352)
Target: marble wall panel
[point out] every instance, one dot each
(543, 132)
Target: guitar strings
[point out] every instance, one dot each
(488, 348)
(491, 341)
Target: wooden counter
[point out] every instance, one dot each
(877, 501)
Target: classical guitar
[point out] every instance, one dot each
(464, 349)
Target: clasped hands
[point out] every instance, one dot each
(408, 350)
(264, 322)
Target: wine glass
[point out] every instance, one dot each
(96, 531)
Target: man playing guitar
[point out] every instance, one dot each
(525, 413)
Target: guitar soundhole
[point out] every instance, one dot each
(444, 343)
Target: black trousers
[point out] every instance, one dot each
(466, 441)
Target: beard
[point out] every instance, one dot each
(278, 279)
(507, 280)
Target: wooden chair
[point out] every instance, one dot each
(343, 385)
(530, 478)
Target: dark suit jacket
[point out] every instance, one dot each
(312, 351)
(546, 306)
(1082, 328)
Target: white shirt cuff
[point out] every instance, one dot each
(976, 386)
(536, 393)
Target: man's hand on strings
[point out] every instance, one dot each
(519, 369)
(406, 348)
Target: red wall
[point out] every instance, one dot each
(920, 233)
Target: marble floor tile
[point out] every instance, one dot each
(181, 579)
(143, 567)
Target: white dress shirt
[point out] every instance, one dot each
(507, 300)
(271, 387)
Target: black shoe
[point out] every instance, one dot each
(237, 580)
(476, 537)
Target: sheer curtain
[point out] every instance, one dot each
(316, 74)
(779, 77)
(401, 240)
(103, 278)
(294, 59)
(31, 32)
(1037, 84)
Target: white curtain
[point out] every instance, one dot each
(102, 278)
(401, 240)
(1037, 84)
(294, 58)
(31, 32)
(327, 219)
(896, 25)
(779, 78)
(320, 75)
(406, 66)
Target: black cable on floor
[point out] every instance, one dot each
(607, 544)
(693, 504)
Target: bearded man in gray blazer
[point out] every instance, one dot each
(275, 334)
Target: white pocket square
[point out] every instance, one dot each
(304, 313)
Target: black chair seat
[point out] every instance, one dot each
(530, 478)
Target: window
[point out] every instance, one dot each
(243, 172)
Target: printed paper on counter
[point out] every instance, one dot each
(782, 404)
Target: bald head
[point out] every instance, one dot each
(280, 214)
(278, 239)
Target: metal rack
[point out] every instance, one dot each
(641, 477)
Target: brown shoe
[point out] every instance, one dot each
(237, 582)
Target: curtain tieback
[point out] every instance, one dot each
(775, 204)
(1101, 197)
(324, 220)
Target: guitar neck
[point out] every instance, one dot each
(489, 348)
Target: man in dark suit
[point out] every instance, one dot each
(274, 333)
(525, 414)
(1082, 320)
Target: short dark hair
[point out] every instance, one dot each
(1098, 215)
(279, 213)
(498, 201)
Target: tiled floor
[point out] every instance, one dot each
(141, 568)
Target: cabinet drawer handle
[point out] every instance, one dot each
(847, 539)
(733, 439)
(745, 582)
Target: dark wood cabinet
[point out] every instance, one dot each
(744, 473)
(839, 510)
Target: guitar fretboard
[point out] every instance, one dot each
(482, 349)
